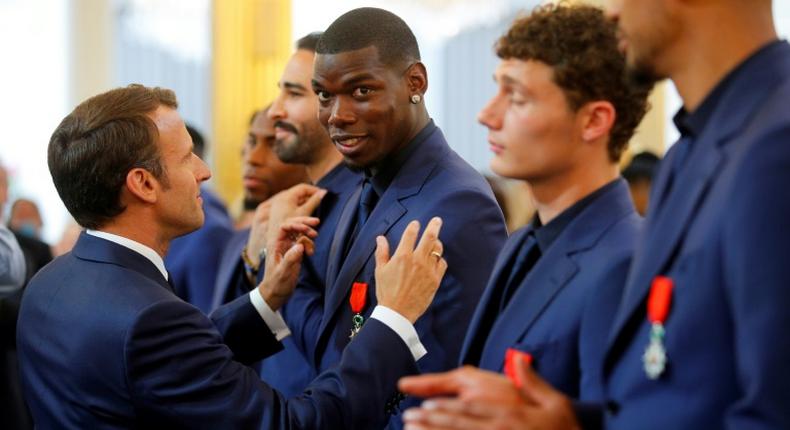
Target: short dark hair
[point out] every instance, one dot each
(642, 167)
(198, 141)
(580, 44)
(369, 26)
(309, 42)
(98, 143)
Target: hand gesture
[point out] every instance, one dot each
(407, 281)
(285, 252)
(478, 399)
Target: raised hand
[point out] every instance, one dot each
(284, 258)
(298, 201)
(407, 281)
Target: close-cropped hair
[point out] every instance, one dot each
(309, 42)
(95, 146)
(369, 26)
(580, 45)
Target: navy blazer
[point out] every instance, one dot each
(231, 279)
(722, 234)
(543, 317)
(104, 343)
(433, 181)
(193, 259)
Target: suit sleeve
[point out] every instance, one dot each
(756, 245)
(182, 375)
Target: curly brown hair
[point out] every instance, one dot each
(580, 44)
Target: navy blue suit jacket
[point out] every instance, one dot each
(104, 343)
(433, 181)
(722, 233)
(543, 318)
(289, 371)
(193, 259)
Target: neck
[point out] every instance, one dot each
(553, 196)
(138, 231)
(712, 52)
(325, 162)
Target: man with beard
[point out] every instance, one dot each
(264, 176)
(699, 339)
(301, 140)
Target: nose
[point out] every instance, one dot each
(340, 113)
(202, 172)
(276, 110)
(492, 113)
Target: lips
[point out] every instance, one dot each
(348, 144)
(495, 147)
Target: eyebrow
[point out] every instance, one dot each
(293, 86)
(349, 82)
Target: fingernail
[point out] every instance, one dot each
(439, 219)
(411, 414)
(429, 404)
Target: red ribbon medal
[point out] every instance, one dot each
(658, 304)
(510, 365)
(359, 295)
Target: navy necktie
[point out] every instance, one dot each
(367, 202)
(527, 256)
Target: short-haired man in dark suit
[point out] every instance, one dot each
(104, 342)
(699, 338)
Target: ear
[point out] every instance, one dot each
(597, 120)
(417, 77)
(141, 184)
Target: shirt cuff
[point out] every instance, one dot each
(272, 319)
(400, 325)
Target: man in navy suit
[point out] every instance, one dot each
(104, 342)
(299, 140)
(699, 338)
(193, 259)
(370, 85)
(549, 127)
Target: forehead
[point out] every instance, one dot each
(172, 131)
(347, 67)
(262, 126)
(529, 73)
(299, 67)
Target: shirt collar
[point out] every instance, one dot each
(692, 124)
(134, 246)
(381, 176)
(548, 234)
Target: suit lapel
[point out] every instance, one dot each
(498, 277)
(554, 271)
(533, 295)
(390, 209)
(344, 225)
(667, 224)
(104, 251)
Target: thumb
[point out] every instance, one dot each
(533, 387)
(293, 256)
(382, 251)
(311, 204)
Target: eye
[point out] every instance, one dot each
(323, 96)
(361, 92)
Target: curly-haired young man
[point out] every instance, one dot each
(563, 113)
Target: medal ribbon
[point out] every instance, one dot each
(660, 299)
(359, 295)
(510, 365)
